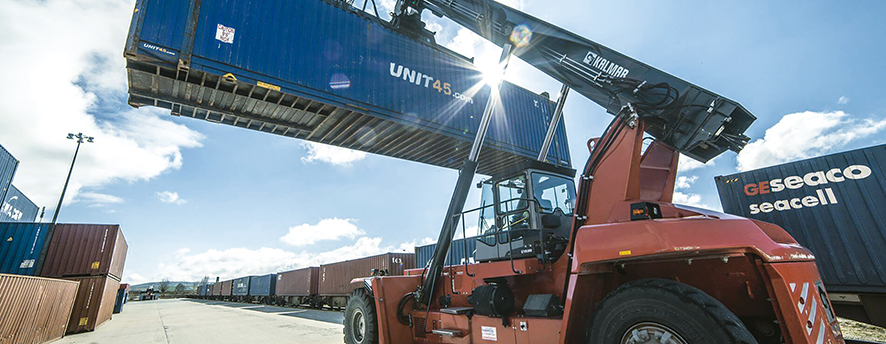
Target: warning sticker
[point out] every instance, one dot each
(83, 321)
(224, 33)
(488, 333)
(96, 264)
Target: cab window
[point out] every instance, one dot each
(553, 192)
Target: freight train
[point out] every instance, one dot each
(327, 285)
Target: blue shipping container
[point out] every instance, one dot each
(833, 205)
(326, 72)
(122, 296)
(8, 164)
(241, 286)
(22, 246)
(263, 285)
(456, 255)
(17, 207)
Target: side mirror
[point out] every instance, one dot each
(550, 221)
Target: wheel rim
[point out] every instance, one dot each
(651, 333)
(358, 326)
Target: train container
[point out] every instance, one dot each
(85, 249)
(263, 288)
(298, 287)
(8, 165)
(95, 301)
(122, 297)
(17, 207)
(323, 71)
(461, 251)
(335, 278)
(23, 247)
(241, 286)
(226, 289)
(34, 309)
(834, 205)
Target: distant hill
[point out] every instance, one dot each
(144, 286)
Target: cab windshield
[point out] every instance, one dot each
(553, 193)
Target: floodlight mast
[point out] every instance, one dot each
(80, 138)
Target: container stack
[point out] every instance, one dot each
(93, 255)
(34, 309)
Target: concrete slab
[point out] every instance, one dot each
(211, 322)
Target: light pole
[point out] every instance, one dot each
(80, 138)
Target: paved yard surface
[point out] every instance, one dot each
(210, 322)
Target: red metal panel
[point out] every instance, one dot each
(335, 278)
(34, 309)
(84, 250)
(301, 282)
(94, 304)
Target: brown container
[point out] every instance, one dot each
(335, 278)
(301, 282)
(226, 287)
(84, 250)
(34, 309)
(94, 304)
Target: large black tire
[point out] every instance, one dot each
(361, 325)
(647, 310)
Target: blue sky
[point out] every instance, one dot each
(196, 198)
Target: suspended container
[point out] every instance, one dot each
(326, 72)
(8, 165)
(461, 251)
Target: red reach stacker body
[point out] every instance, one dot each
(747, 274)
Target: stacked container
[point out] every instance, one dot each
(22, 247)
(93, 255)
(34, 309)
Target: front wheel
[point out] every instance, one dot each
(361, 325)
(666, 312)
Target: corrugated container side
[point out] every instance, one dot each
(241, 286)
(263, 285)
(456, 254)
(17, 207)
(328, 75)
(301, 282)
(335, 278)
(833, 205)
(22, 247)
(8, 165)
(226, 288)
(85, 249)
(94, 304)
(34, 309)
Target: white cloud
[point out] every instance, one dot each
(688, 164)
(806, 134)
(331, 154)
(170, 197)
(684, 182)
(843, 100)
(95, 199)
(690, 199)
(237, 262)
(65, 92)
(326, 229)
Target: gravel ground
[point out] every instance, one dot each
(856, 330)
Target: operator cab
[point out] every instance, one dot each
(526, 211)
